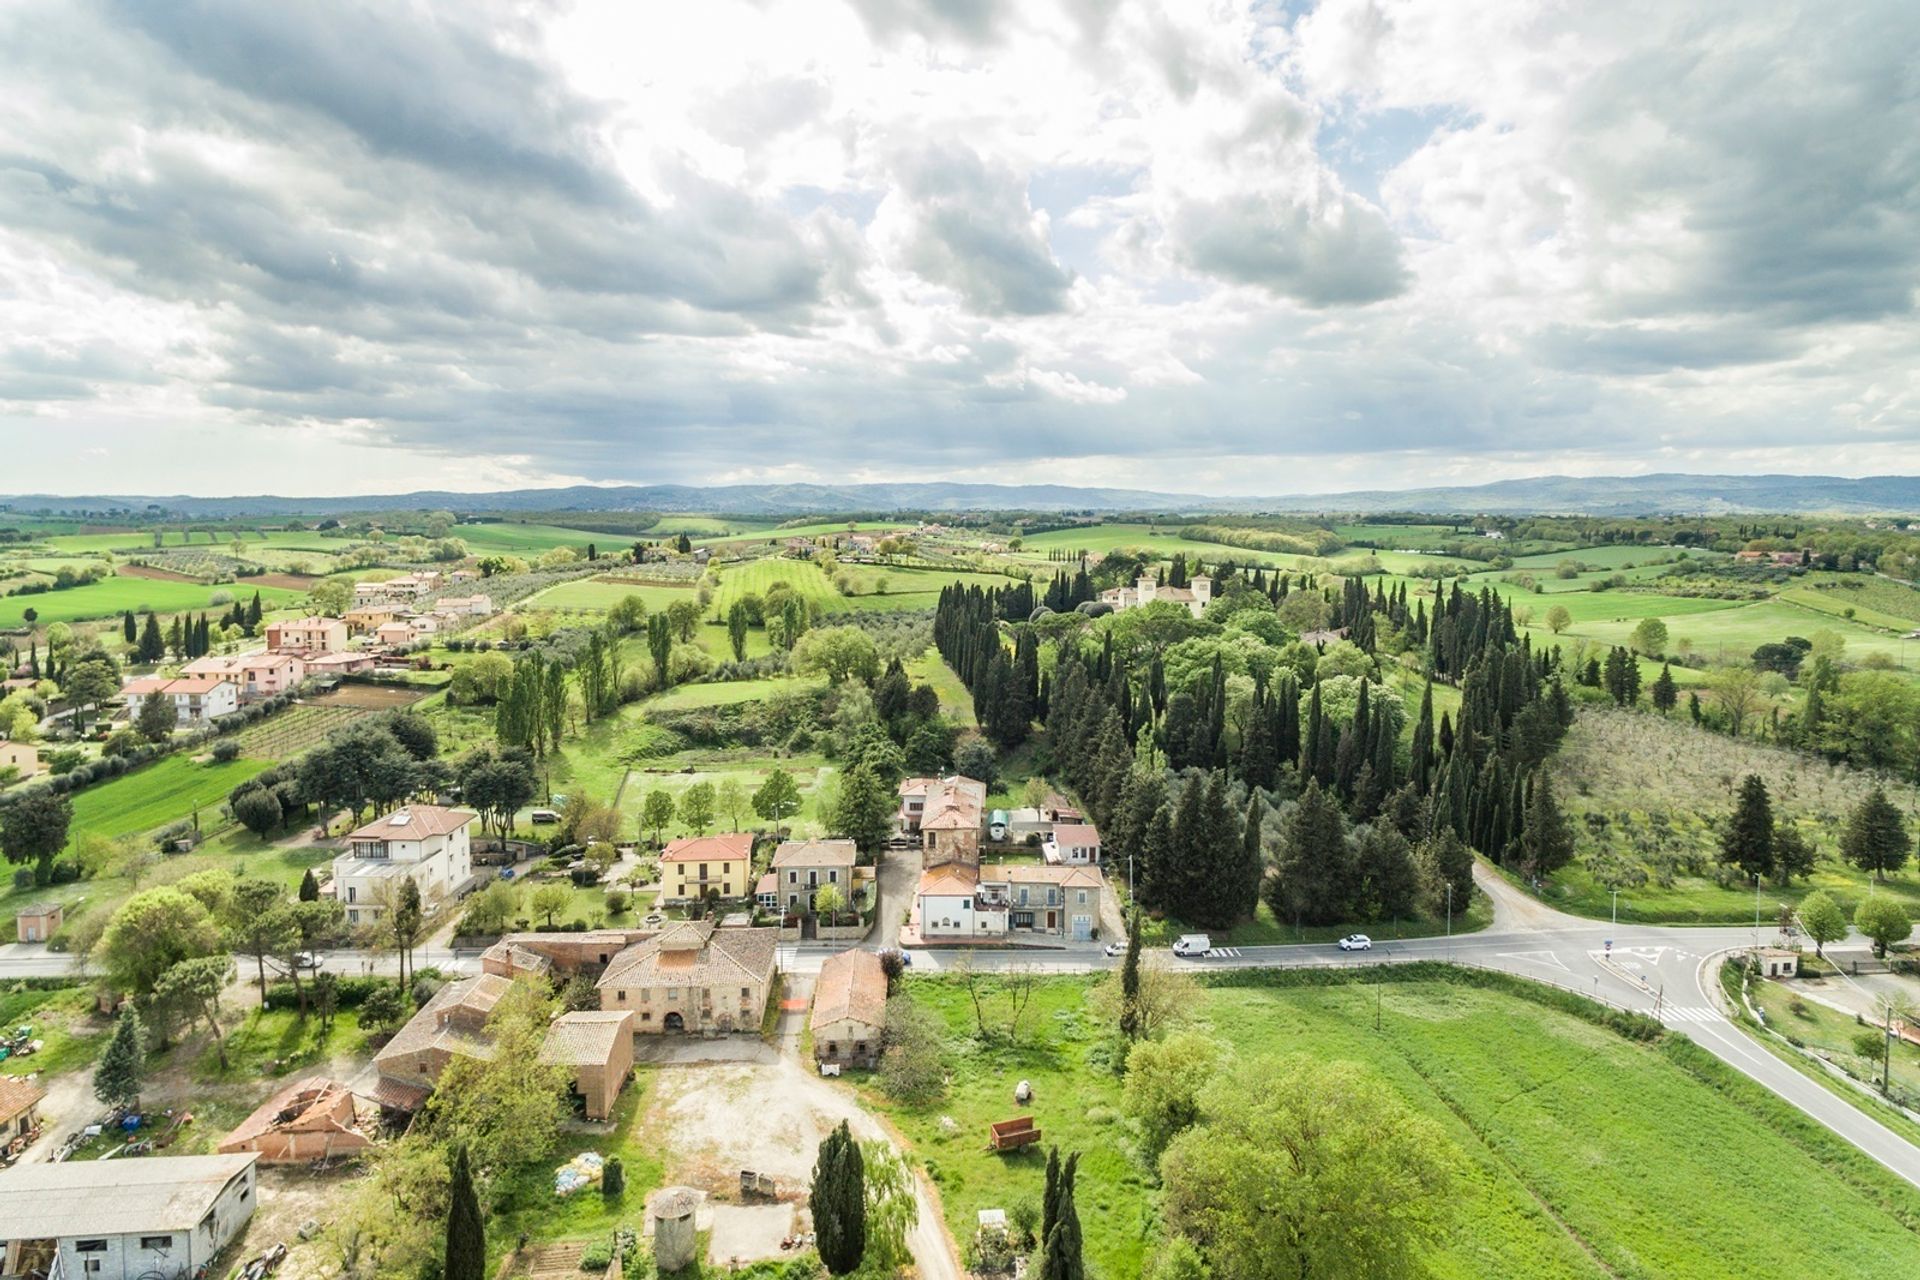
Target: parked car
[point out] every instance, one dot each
(1356, 942)
(1115, 948)
(543, 817)
(1192, 944)
(307, 960)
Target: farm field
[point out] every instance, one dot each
(1737, 630)
(955, 702)
(151, 797)
(1162, 542)
(705, 528)
(601, 594)
(514, 538)
(727, 693)
(820, 528)
(1563, 1190)
(115, 595)
(907, 588)
(807, 579)
(295, 731)
(1652, 792)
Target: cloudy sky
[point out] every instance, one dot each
(1210, 247)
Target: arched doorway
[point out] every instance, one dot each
(674, 1022)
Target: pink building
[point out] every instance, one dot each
(308, 635)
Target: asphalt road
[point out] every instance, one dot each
(1660, 971)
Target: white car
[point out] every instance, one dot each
(1356, 942)
(1115, 949)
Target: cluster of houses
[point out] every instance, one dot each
(962, 899)
(301, 648)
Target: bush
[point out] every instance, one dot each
(613, 1179)
(598, 1256)
(617, 902)
(225, 750)
(382, 1009)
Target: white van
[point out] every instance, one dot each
(1192, 944)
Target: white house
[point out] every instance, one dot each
(256, 675)
(1072, 844)
(195, 699)
(123, 1219)
(424, 842)
(1195, 595)
(960, 901)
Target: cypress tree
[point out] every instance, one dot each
(1130, 979)
(839, 1202)
(1423, 743)
(1060, 1251)
(309, 887)
(1665, 695)
(129, 629)
(1050, 1198)
(466, 1232)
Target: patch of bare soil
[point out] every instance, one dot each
(374, 697)
(291, 581)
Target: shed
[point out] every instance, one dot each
(19, 1112)
(38, 921)
(596, 1045)
(1778, 962)
(850, 1009)
(125, 1219)
(311, 1119)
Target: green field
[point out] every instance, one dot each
(729, 692)
(113, 596)
(531, 539)
(160, 793)
(812, 773)
(955, 702)
(295, 731)
(807, 580)
(600, 594)
(1161, 542)
(1567, 1132)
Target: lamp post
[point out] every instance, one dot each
(1616, 907)
(1449, 922)
(1756, 911)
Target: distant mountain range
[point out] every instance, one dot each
(1674, 494)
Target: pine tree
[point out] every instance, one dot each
(1876, 838)
(466, 1233)
(1747, 842)
(116, 1081)
(1547, 842)
(252, 620)
(1665, 694)
(839, 1202)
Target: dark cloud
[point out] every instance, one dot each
(974, 233)
(1342, 255)
(974, 22)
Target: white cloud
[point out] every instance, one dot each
(1396, 240)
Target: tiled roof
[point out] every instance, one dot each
(852, 987)
(16, 1096)
(734, 846)
(1066, 877)
(725, 955)
(431, 1028)
(585, 1037)
(954, 804)
(306, 1106)
(954, 880)
(1075, 835)
(414, 822)
(816, 853)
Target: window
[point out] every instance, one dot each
(833, 877)
(621, 996)
(646, 1017)
(860, 1048)
(352, 893)
(703, 871)
(833, 1049)
(90, 1246)
(1083, 897)
(746, 992)
(92, 1265)
(793, 877)
(156, 1242)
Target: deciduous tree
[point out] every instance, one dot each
(1822, 919)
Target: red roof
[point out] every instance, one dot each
(733, 846)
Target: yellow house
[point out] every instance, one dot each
(694, 866)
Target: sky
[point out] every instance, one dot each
(1222, 248)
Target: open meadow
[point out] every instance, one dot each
(1564, 1130)
(113, 596)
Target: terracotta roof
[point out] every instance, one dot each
(398, 1094)
(768, 883)
(733, 846)
(1075, 835)
(38, 909)
(724, 955)
(414, 822)
(306, 1106)
(954, 804)
(852, 987)
(434, 1027)
(16, 1096)
(585, 1037)
(955, 880)
(917, 786)
(816, 853)
(1066, 877)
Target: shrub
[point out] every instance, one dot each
(598, 1256)
(613, 1180)
(617, 902)
(225, 750)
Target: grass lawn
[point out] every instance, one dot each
(601, 594)
(729, 692)
(524, 1200)
(1831, 1032)
(112, 596)
(807, 580)
(1566, 1132)
(275, 1043)
(811, 773)
(955, 702)
(527, 540)
(65, 1019)
(1264, 931)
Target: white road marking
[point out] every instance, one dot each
(1679, 1014)
(1548, 958)
(1224, 953)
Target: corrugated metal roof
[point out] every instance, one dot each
(114, 1197)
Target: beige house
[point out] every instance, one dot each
(21, 756)
(308, 635)
(596, 1045)
(960, 902)
(256, 675)
(801, 868)
(1074, 844)
(947, 814)
(453, 1022)
(850, 1009)
(693, 866)
(693, 977)
(363, 618)
(1145, 590)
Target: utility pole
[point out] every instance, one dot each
(1449, 922)
(1616, 907)
(1756, 912)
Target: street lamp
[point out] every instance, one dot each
(1616, 906)
(1449, 922)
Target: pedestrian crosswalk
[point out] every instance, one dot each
(1676, 1013)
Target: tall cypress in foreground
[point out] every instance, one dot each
(839, 1202)
(466, 1233)
(1060, 1251)
(1130, 979)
